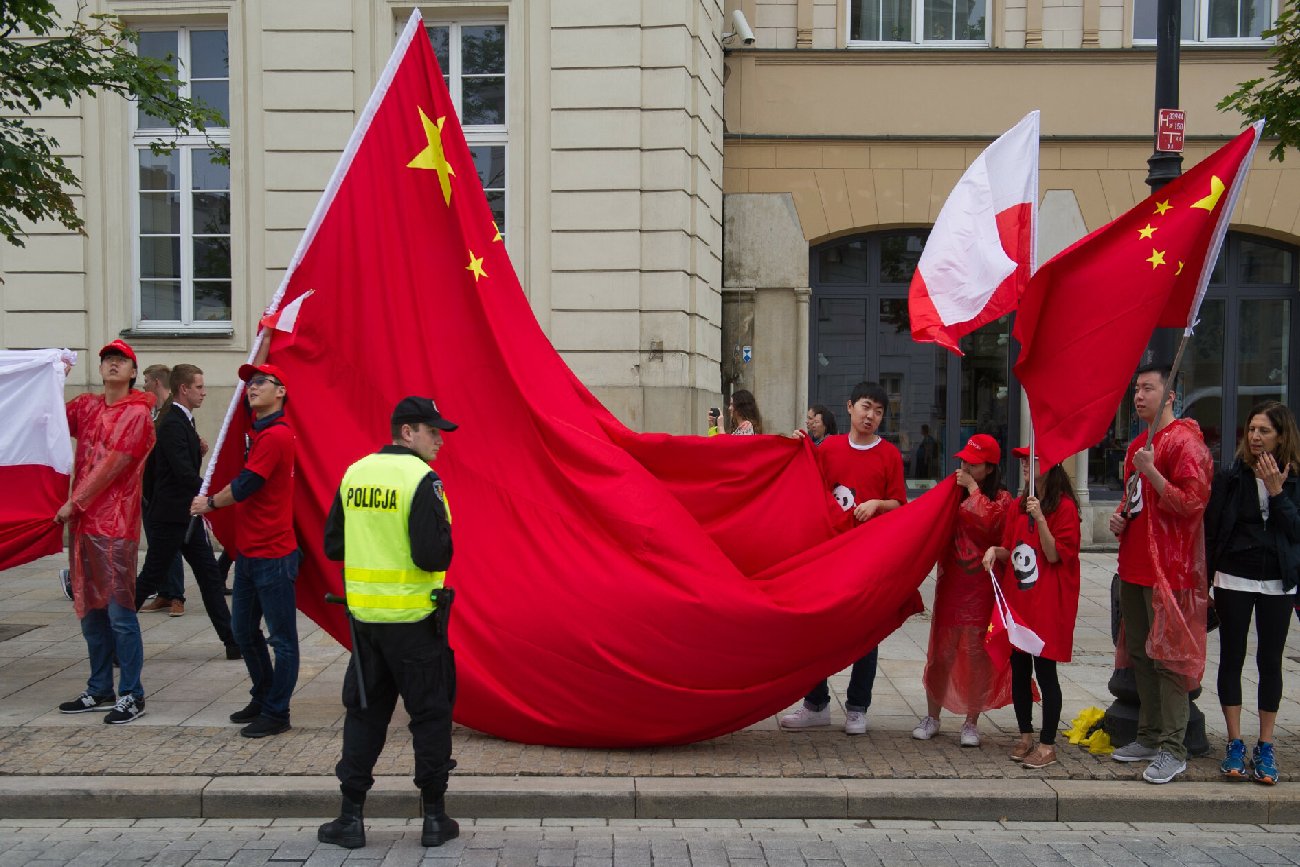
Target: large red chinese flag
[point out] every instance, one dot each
(612, 588)
(1089, 312)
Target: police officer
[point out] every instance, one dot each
(391, 526)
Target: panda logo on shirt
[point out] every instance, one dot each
(845, 497)
(1133, 494)
(1024, 562)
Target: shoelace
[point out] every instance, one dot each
(124, 702)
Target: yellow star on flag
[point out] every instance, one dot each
(1146, 232)
(1161, 207)
(1157, 259)
(497, 230)
(1180, 269)
(433, 157)
(1216, 190)
(476, 266)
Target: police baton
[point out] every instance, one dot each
(335, 599)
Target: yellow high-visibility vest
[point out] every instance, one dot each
(383, 583)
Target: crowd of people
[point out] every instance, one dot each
(138, 459)
(1191, 544)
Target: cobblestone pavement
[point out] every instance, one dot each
(191, 689)
(646, 843)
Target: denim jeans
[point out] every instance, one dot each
(264, 589)
(861, 680)
(113, 629)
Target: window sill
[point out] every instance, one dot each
(180, 334)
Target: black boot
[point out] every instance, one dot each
(348, 830)
(438, 826)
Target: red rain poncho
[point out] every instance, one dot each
(958, 670)
(1045, 596)
(112, 443)
(1175, 544)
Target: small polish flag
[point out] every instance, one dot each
(980, 254)
(286, 317)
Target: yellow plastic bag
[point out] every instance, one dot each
(1086, 731)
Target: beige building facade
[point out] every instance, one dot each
(843, 142)
(689, 213)
(596, 126)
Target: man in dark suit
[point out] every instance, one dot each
(176, 480)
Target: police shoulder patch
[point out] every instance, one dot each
(437, 488)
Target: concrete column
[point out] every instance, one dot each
(802, 297)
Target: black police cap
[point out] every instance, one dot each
(411, 410)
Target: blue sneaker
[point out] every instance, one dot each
(1234, 766)
(1265, 764)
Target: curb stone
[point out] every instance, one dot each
(254, 797)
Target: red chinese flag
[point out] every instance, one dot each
(612, 588)
(1089, 312)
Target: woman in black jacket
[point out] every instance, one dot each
(1252, 547)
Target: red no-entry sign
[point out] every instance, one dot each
(1169, 130)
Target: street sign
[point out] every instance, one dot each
(1169, 130)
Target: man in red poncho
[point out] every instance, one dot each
(114, 433)
(1163, 593)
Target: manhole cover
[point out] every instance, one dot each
(13, 630)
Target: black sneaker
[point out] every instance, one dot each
(86, 702)
(250, 712)
(65, 582)
(264, 727)
(128, 708)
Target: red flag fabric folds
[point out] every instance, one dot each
(979, 256)
(612, 588)
(1089, 312)
(35, 453)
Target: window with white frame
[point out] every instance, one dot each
(182, 214)
(473, 61)
(918, 22)
(1221, 21)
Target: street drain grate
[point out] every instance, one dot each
(13, 630)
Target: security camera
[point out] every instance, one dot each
(739, 27)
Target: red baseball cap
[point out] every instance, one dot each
(122, 348)
(980, 449)
(1021, 452)
(248, 371)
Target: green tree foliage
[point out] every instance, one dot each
(44, 60)
(1276, 98)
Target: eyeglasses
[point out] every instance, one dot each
(263, 380)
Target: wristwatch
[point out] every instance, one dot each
(212, 503)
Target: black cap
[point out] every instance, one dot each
(420, 409)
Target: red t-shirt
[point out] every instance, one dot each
(854, 475)
(264, 521)
(1044, 596)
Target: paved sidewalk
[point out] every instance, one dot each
(191, 689)
(575, 842)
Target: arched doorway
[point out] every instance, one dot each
(860, 330)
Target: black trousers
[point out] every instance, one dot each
(165, 540)
(410, 660)
(1023, 668)
(1272, 620)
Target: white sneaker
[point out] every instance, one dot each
(804, 718)
(1135, 752)
(855, 722)
(927, 728)
(970, 735)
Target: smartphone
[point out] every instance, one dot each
(715, 412)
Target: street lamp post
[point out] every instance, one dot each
(1121, 721)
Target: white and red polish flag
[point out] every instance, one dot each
(35, 453)
(284, 319)
(980, 254)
